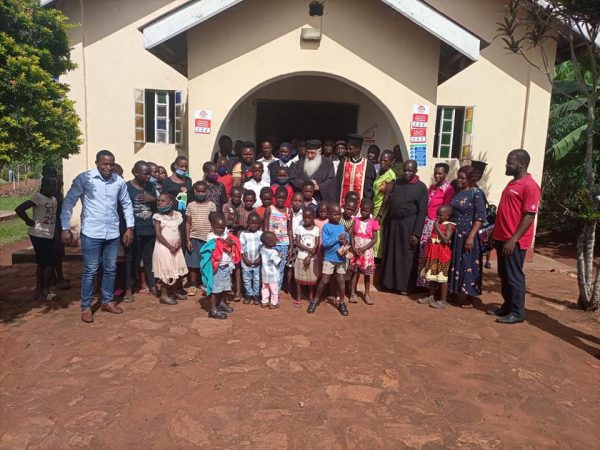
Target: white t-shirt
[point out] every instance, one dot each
(308, 238)
(44, 216)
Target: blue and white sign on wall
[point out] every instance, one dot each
(419, 154)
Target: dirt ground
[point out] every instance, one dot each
(394, 375)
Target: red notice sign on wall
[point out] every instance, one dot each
(202, 121)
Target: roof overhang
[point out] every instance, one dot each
(165, 36)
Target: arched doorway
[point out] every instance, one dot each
(311, 106)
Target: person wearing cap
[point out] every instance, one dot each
(286, 157)
(316, 169)
(357, 173)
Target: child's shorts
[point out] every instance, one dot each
(329, 268)
(222, 279)
(45, 251)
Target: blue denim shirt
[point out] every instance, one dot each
(100, 199)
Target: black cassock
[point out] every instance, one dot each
(324, 176)
(407, 208)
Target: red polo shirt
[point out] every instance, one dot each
(518, 197)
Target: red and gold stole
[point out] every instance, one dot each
(354, 178)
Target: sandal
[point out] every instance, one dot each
(237, 298)
(426, 300)
(144, 291)
(297, 303)
(353, 298)
(274, 306)
(50, 296)
(368, 300)
(467, 304)
(129, 298)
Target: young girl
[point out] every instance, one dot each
(226, 253)
(438, 258)
(278, 220)
(41, 232)
(322, 215)
(364, 237)
(197, 228)
(271, 261)
(168, 262)
(307, 239)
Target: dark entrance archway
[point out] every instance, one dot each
(305, 119)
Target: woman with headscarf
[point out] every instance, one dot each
(440, 193)
(468, 212)
(386, 175)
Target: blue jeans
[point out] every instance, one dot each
(283, 249)
(251, 276)
(96, 252)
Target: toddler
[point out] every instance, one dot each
(438, 257)
(271, 260)
(251, 245)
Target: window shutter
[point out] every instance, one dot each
(139, 116)
(467, 137)
(178, 118)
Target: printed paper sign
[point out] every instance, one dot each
(202, 121)
(421, 109)
(419, 154)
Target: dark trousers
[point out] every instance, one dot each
(512, 279)
(141, 249)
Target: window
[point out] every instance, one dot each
(158, 116)
(454, 132)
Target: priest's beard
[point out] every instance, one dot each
(312, 165)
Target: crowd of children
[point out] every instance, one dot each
(241, 243)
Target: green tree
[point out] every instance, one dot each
(37, 120)
(533, 24)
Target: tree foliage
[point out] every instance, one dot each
(529, 26)
(37, 120)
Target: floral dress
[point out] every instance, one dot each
(363, 234)
(465, 274)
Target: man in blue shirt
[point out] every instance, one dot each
(333, 237)
(101, 192)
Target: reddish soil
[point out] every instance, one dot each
(394, 375)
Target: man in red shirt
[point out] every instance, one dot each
(513, 235)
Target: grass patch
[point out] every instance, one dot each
(11, 231)
(10, 203)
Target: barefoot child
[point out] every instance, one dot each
(41, 232)
(364, 237)
(333, 237)
(251, 245)
(438, 257)
(168, 262)
(307, 239)
(277, 219)
(197, 227)
(271, 260)
(225, 255)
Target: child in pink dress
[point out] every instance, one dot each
(168, 262)
(363, 240)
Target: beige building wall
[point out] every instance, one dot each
(511, 98)
(242, 123)
(112, 62)
(247, 47)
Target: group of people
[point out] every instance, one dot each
(308, 218)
